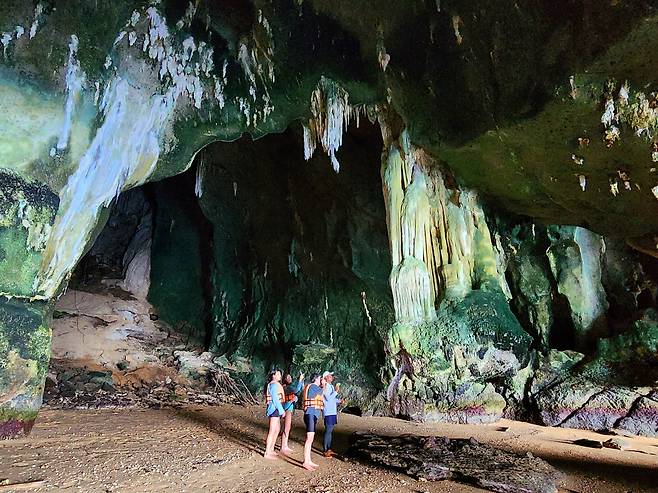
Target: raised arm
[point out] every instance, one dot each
(296, 388)
(329, 391)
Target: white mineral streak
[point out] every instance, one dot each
(654, 190)
(592, 303)
(309, 143)
(609, 114)
(293, 266)
(119, 37)
(5, 39)
(582, 181)
(198, 185)
(38, 17)
(623, 94)
(219, 91)
(247, 62)
(456, 22)
(331, 115)
(365, 307)
(134, 18)
(75, 79)
(439, 239)
(123, 154)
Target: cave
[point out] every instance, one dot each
(449, 205)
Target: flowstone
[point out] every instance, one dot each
(469, 366)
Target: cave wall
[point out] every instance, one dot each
(182, 259)
(300, 257)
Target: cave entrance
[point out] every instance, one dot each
(107, 316)
(254, 255)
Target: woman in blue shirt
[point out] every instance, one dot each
(291, 391)
(275, 396)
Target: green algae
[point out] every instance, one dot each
(27, 212)
(24, 357)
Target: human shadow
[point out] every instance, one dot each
(240, 432)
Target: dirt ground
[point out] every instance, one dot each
(218, 449)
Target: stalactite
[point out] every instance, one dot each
(412, 295)
(593, 298)
(331, 114)
(409, 216)
(198, 184)
(393, 197)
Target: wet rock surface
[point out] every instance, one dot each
(463, 460)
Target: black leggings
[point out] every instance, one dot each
(329, 423)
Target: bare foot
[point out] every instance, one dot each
(309, 466)
(286, 451)
(314, 464)
(271, 456)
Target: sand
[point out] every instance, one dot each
(219, 449)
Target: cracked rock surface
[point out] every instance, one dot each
(463, 460)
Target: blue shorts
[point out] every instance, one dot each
(310, 420)
(274, 414)
(332, 419)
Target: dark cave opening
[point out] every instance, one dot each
(156, 232)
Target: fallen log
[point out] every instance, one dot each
(21, 486)
(463, 460)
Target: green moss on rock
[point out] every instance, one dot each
(24, 357)
(27, 212)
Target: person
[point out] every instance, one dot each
(313, 405)
(274, 396)
(331, 401)
(291, 391)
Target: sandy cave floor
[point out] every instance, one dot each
(218, 449)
